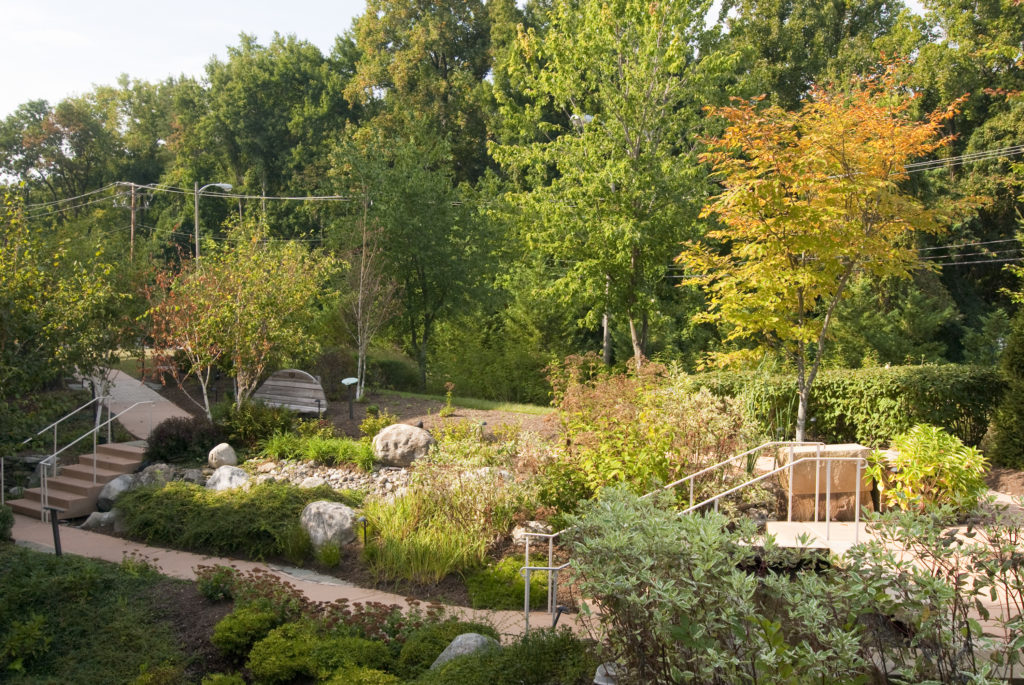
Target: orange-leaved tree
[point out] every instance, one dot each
(810, 198)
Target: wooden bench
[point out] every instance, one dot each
(293, 389)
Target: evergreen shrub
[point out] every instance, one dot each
(6, 523)
(251, 423)
(423, 647)
(235, 634)
(183, 440)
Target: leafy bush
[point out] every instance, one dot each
(357, 675)
(23, 642)
(1009, 418)
(539, 658)
(235, 634)
(216, 583)
(223, 679)
(253, 422)
(930, 467)
(392, 371)
(376, 421)
(281, 446)
(284, 654)
(181, 439)
(255, 524)
(425, 645)
(501, 586)
(870, 406)
(6, 522)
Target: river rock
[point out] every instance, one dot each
(114, 489)
(227, 478)
(467, 643)
(222, 455)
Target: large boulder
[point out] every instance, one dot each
(105, 522)
(329, 522)
(467, 643)
(222, 455)
(156, 474)
(114, 489)
(401, 444)
(227, 478)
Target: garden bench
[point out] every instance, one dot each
(293, 389)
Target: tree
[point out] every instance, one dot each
(810, 199)
(249, 303)
(616, 185)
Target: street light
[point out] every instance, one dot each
(222, 186)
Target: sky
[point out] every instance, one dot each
(58, 48)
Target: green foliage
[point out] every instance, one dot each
(425, 645)
(392, 372)
(329, 555)
(183, 440)
(929, 468)
(223, 679)
(319, 449)
(869, 406)
(284, 654)
(253, 524)
(216, 583)
(235, 634)
(501, 586)
(358, 675)
(252, 422)
(542, 657)
(6, 522)
(376, 421)
(48, 620)
(1009, 417)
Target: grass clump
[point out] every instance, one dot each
(255, 524)
(501, 586)
(314, 441)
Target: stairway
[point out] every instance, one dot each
(73, 489)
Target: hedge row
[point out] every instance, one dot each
(869, 406)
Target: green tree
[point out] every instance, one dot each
(810, 199)
(249, 302)
(616, 185)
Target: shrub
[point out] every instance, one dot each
(281, 446)
(375, 422)
(393, 371)
(223, 679)
(357, 675)
(870, 406)
(6, 522)
(256, 524)
(23, 642)
(253, 422)
(329, 555)
(331, 653)
(1009, 419)
(216, 583)
(235, 634)
(425, 645)
(501, 586)
(182, 439)
(930, 467)
(539, 658)
(284, 654)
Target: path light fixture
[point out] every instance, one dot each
(199, 191)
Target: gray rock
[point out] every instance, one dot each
(104, 522)
(607, 674)
(194, 476)
(114, 489)
(401, 444)
(227, 478)
(222, 455)
(156, 474)
(312, 482)
(464, 644)
(519, 532)
(327, 522)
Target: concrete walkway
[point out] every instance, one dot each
(38, 535)
(126, 391)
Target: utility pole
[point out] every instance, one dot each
(131, 243)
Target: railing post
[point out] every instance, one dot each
(551, 563)
(817, 482)
(526, 601)
(691, 493)
(54, 438)
(553, 582)
(828, 498)
(789, 504)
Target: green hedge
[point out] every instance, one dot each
(869, 406)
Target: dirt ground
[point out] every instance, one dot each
(1007, 481)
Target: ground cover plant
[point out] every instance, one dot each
(49, 631)
(259, 523)
(315, 441)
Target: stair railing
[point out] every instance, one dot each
(552, 570)
(99, 413)
(51, 461)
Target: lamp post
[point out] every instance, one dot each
(198, 192)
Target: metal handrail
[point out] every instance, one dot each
(51, 461)
(552, 588)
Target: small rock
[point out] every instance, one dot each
(329, 522)
(519, 532)
(266, 467)
(312, 482)
(114, 489)
(464, 644)
(227, 478)
(222, 455)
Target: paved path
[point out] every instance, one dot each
(126, 391)
(38, 535)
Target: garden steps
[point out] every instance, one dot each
(837, 539)
(73, 490)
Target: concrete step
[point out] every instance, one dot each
(121, 449)
(110, 462)
(85, 472)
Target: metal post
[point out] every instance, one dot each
(56, 530)
(551, 563)
(789, 505)
(553, 582)
(817, 483)
(691, 493)
(54, 439)
(828, 498)
(526, 601)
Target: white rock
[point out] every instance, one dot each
(222, 455)
(519, 532)
(227, 478)
(329, 522)
(114, 489)
(467, 643)
(312, 482)
(401, 444)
